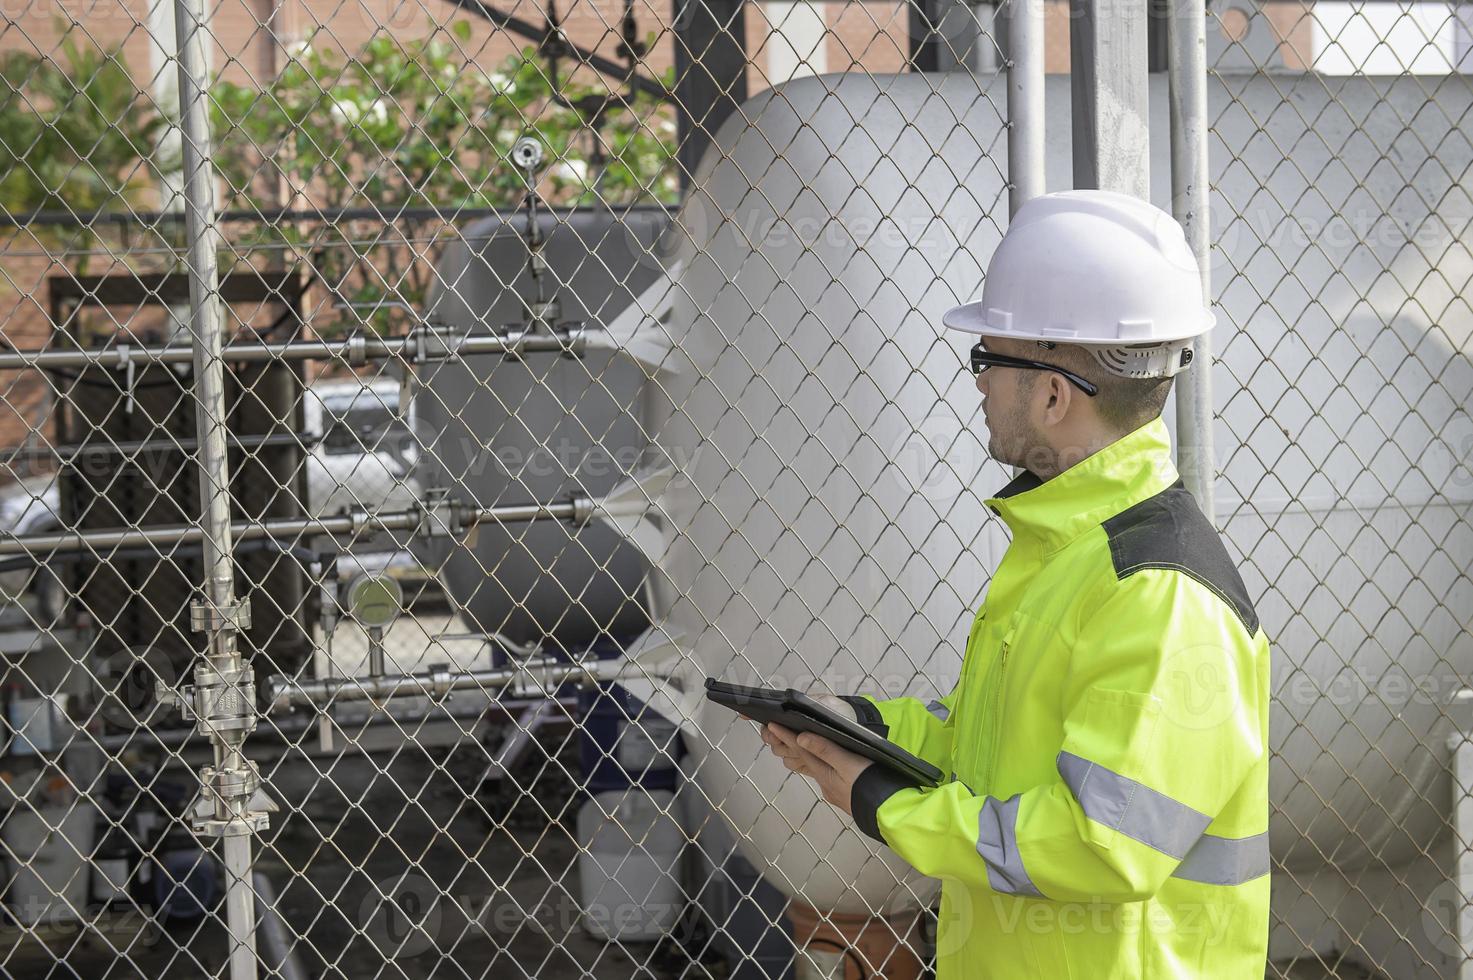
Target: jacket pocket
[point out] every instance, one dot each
(1114, 744)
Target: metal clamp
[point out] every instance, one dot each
(357, 349)
(441, 682)
(221, 790)
(440, 514)
(428, 343)
(514, 338)
(575, 339)
(206, 617)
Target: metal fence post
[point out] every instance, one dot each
(1111, 121)
(1025, 102)
(224, 690)
(1186, 67)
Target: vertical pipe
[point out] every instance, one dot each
(922, 19)
(222, 655)
(277, 942)
(1186, 67)
(710, 74)
(1025, 102)
(1461, 747)
(1111, 100)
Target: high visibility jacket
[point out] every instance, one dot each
(1106, 812)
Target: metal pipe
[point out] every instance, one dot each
(133, 447)
(277, 736)
(376, 651)
(226, 708)
(277, 944)
(1110, 110)
(1186, 69)
(356, 349)
(1026, 120)
(286, 692)
(278, 215)
(577, 510)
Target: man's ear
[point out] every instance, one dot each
(1057, 395)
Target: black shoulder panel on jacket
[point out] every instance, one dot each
(1170, 531)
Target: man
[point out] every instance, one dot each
(1106, 813)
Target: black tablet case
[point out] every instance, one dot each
(797, 712)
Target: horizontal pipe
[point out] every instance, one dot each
(69, 453)
(145, 220)
(351, 349)
(286, 692)
(576, 510)
(285, 729)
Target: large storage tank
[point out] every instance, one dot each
(830, 546)
(543, 427)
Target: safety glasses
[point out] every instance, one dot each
(982, 359)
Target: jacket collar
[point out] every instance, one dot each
(1055, 512)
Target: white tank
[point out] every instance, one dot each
(832, 544)
(837, 452)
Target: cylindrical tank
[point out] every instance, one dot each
(836, 447)
(835, 543)
(503, 431)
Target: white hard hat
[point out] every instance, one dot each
(1096, 268)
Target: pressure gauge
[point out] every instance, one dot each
(374, 601)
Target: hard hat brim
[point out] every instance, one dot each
(971, 318)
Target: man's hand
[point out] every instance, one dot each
(834, 769)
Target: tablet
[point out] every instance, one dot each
(797, 712)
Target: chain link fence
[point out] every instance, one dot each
(405, 406)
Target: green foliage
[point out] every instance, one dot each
(416, 124)
(77, 133)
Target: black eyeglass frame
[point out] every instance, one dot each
(982, 359)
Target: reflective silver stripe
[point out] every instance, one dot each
(997, 843)
(1225, 860)
(941, 711)
(1132, 808)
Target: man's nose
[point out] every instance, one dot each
(982, 383)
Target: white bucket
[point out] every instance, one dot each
(51, 872)
(629, 865)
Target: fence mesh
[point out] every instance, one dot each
(574, 352)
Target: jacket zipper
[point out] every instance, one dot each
(996, 712)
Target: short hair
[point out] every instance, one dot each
(1124, 404)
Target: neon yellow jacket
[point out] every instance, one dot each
(1107, 810)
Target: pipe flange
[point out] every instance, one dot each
(526, 154)
(224, 785)
(244, 825)
(206, 617)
